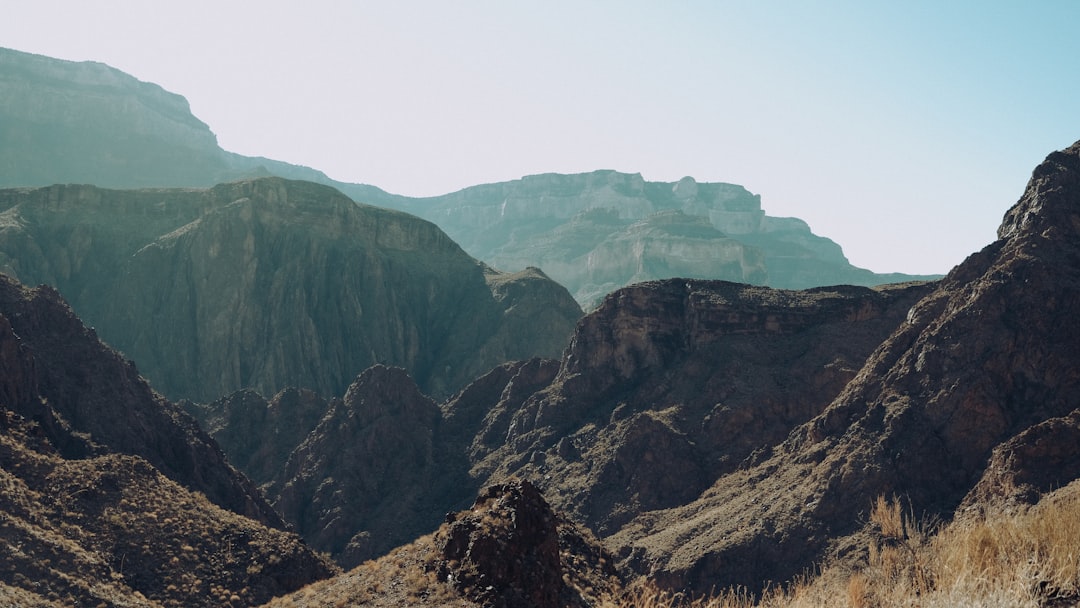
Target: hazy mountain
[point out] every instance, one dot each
(68, 122)
(595, 232)
(271, 283)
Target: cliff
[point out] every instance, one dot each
(596, 232)
(85, 122)
(270, 283)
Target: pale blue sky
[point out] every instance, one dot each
(902, 130)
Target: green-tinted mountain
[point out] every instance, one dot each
(271, 283)
(595, 232)
(72, 122)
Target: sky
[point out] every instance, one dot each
(901, 130)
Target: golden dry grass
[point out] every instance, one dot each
(1030, 558)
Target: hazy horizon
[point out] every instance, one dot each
(901, 131)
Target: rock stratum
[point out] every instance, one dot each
(270, 283)
(85, 122)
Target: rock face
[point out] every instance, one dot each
(955, 403)
(271, 283)
(595, 232)
(669, 385)
(111, 494)
(361, 482)
(505, 549)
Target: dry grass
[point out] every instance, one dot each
(1030, 558)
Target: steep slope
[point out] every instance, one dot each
(271, 283)
(365, 478)
(111, 494)
(671, 384)
(982, 367)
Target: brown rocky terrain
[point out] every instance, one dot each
(665, 387)
(112, 495)
(508, 550)
(271, 283)
(968, 398)
(365, 479)
(87, 400)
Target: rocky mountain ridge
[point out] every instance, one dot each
(271, 283)
(647, 375)
(982, 367)
(717, 434)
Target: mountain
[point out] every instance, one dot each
(716, 434)
(974, 392)
(694, 376)
(112, 494)
(595, 232)
(269, 283)
(85, 122)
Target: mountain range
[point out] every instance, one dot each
(358, 412)
(84, 122)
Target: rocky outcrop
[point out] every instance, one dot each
(270, 283)
(505, 549)
(981, 368)
(509, 549)
(1034, 463)
(112, 494)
